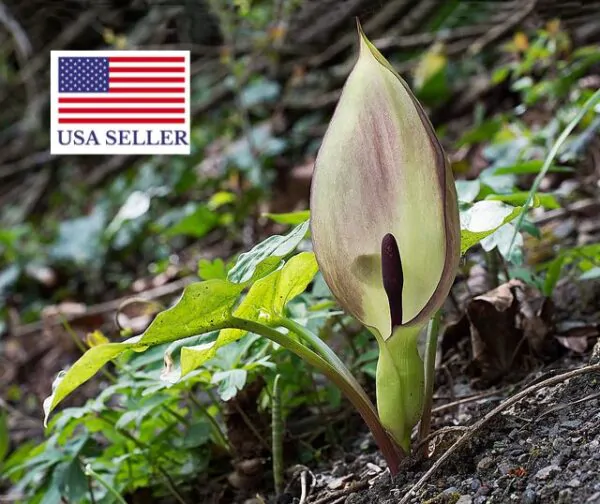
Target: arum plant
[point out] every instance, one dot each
(385, 227)
(386, 236)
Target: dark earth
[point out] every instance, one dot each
(544, 449)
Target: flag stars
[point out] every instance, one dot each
(82, 74)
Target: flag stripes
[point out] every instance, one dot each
(122, 90)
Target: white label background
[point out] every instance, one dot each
(101, 129)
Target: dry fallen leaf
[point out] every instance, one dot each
(576, 335)
(508, 325)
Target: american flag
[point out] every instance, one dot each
(122, 89)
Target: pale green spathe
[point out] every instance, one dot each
(382, 170)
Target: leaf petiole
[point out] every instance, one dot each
(350, 388)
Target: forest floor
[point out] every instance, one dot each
(544, 448)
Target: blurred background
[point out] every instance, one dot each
(79, 234)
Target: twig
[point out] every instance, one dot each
(500, 29)
(342, 493)
(149, 26)
(380, 19)
(23, 50)
(584, 205)
(480, 423)
(25, 196)
(27, 163)
(63, 39)
(152, 306)
(112, 164)
(36, 189)
(465, 400)
(425, 39)
(194, 48)
(560, 407)
(30, 118)
(14, 28)
(440, 432)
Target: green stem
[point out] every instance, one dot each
(171, 485)
(430, 353)
(176, 415)
(321, 347)
(109, 488)
(89, 485)
(587, 106)
(217, 431)
(277, 437)
(351, 389)
(65, 323)
(140, 444)
(153, 463)
(491, 260)
(400, 383)
(325, 352)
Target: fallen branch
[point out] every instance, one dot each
(501, 29)
(440, 432)
(22, 43)
(583, 206)
(466, 400)
(560, 407)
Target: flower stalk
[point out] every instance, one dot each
(400, 382)
(433, 332)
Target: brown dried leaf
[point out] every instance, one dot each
(508, 324)
(577, 344)
(576, 335)
(494, 335)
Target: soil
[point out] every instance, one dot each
(544, 449)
